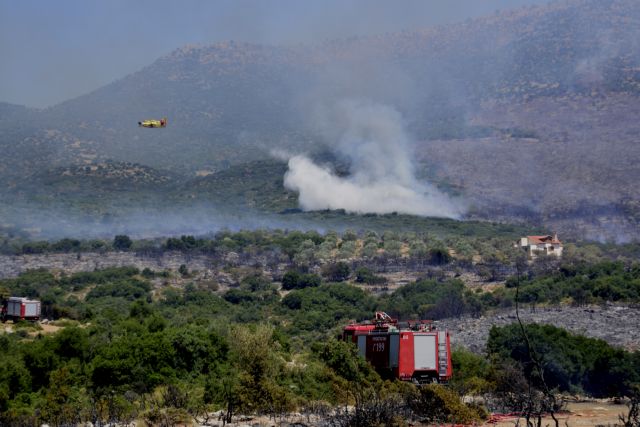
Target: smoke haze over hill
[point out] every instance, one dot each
(382, 176)
(524, 115)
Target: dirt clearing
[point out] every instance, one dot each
(579, 414)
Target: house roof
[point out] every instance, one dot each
(543, 239)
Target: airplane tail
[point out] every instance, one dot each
(164, 122)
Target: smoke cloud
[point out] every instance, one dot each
(372, 138)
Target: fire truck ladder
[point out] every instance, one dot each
(443, 357)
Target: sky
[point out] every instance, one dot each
(54, 51)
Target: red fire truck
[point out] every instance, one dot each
(16, 308)
(410, 351)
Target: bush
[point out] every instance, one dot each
(290, 280)
(184, 272)
(572, 362)
(122, 242)
(439, 256)
(373, 410)
(434, 403)
(338, 272)
(35, 247)
(294, 280)
(66, 245)
(130, 289)
(364, 275)
(430, 299)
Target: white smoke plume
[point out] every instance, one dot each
(381, 179)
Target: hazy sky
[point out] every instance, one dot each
(51, 51)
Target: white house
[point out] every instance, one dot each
(541, 245)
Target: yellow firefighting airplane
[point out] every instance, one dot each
(162, 123)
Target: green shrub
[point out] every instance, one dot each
(338, 272)
(434, 403)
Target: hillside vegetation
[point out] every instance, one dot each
(174, 345)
